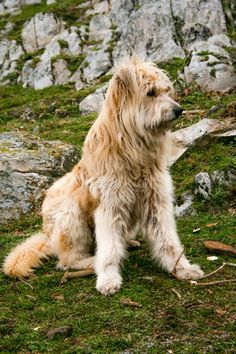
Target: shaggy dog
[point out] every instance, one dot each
(121, 182)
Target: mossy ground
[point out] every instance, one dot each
(200, 320)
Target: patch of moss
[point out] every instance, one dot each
(174, 67)
(74, 62)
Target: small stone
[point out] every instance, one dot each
(212, 258)
(64, 331)
(204, 184)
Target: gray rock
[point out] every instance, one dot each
(13, 6)
(100, 28)
(4, 32)
(39, 31)
(52, 50)
(38, 77)
(204, 184)
(186, 208)
(211, 68)
(71, 37)
(94, 101)
(10, 52)
(60, 72)
(27, 167)
(96, 63)
(225, 178)
(100, 7)
(186, 137)
(198, 20)
(152, 22)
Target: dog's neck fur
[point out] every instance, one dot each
(109, 141)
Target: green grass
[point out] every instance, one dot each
(202, 320)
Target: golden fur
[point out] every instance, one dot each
(120, 184)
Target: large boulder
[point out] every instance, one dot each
(27, 167)
(94, 101)
(211, 66)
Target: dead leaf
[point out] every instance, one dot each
(232, 211)
(220, 312)
(213, 224)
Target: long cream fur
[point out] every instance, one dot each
(120, 184)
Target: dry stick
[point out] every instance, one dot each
(25, 282)
(79, 274)
(176, 263)
(223, 281)
(213, 282)
(218, 269)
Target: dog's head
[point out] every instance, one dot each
(142, 96)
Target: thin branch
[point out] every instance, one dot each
(217, 282)
(25, 282)
(176, 263)
(79, 274)
(218, 269)
(177, 293)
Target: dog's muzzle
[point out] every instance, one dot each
(177, 112)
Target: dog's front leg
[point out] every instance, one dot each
(110, 250)
(164, 240)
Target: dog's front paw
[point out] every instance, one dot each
(193, 271)
(108, 283)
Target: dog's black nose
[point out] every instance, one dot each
(177, 111)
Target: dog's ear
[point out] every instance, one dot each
(125, 85)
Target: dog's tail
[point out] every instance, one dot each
(28, 255)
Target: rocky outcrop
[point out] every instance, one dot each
(156, 30)
(14, 6)
(27, 167)
(39, 31)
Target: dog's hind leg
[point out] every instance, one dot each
(73, 240)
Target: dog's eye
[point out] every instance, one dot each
(151, 93)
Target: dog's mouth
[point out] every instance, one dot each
(159, 126)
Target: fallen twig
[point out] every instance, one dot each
(177, 293)
(129, 302)
(194, 111)
(25, 282)
(79, 274)
(217, 246)
(217, 282)
(218, 269)
(176, 263)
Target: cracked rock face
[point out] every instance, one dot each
(27, 168)
(157, 30)
(13, 6)
(10, 52)
(151, 22)
(39, 31)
